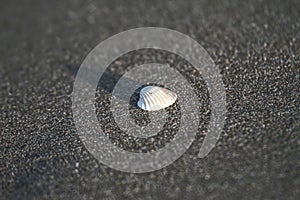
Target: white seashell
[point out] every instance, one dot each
(154, 98)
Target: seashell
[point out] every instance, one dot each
(154, 98)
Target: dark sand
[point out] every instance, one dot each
(256, 46)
